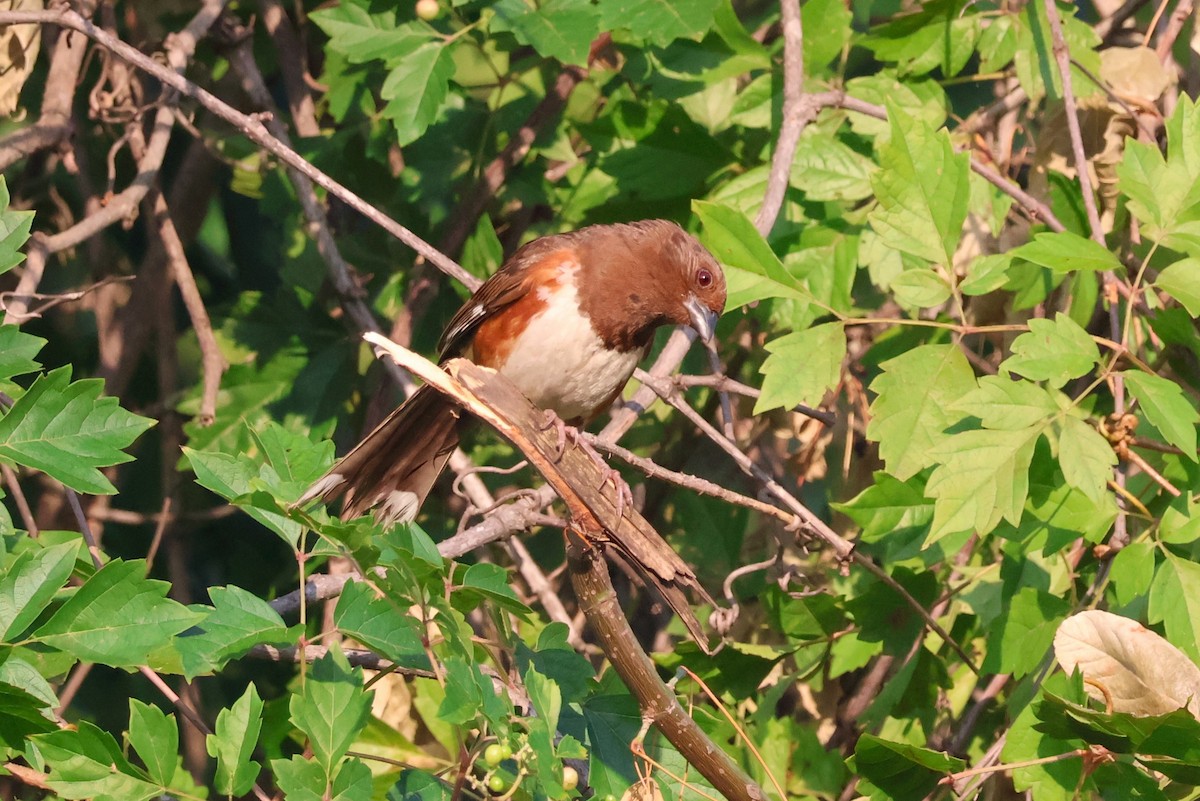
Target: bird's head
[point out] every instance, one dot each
(648, 274)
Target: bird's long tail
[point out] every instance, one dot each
(395, 466)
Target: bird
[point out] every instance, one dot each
(566, 319)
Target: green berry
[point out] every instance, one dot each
(506, 751)
(494, 754)
(497, 784)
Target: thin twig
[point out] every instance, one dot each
(796, 116)
(213, 364)
(252, 127)
(1063, 57)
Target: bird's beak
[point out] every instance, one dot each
(704, 319)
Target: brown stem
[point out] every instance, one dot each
(598, 600)
(212, 362)
(796, 116)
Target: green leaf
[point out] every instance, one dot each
(17, 350)
(560, 29)
(984, 477)
(802, 367)
(1175, 602)
(14, 231)
(67, 430)
(88, 763)
(1064, 251)
(332, 708)
(237, 621)
(826, 169)
(1167, 408)
(29, 584)
(155, 737)
(380, 625)
(1086, 457)
(118, 617)
(300, 779)
(361, 36)
(27, 703)
(986, 274)
(235, 478)
(488, 582)
(1181, 281)
(940, 35)
(1034, 60)
(659, 22)
(911, 412)
(232, 744)
(1165, 193)
(922, 190)
(905, 772)
(1054, 351)
(889, 509)
(747, 257)
(1022, 636)
(416, 88)
(921, 288)
(1131, 572)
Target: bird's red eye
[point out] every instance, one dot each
(704, 279)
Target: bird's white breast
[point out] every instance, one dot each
(559, 362)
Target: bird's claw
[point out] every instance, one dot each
(552, 420)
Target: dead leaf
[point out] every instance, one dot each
(18, 51)
(1134, 73)
(1127, 665)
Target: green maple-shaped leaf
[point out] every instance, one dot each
(942, 34)
(905, 772)
(912, 409)
(332, 708)
(1181, 281)
(86, 762)
(659, 22)
(416, 87)
(561, 29)
(362, 35)
(380, 625)
(14, 231)
(118, 617)
(922, 190)
(29, 584)
(1167, 409)
(233, 742)
(1086, 457)
(236, 622)
(802, 367)
(1165, 193)
(155, 737)
(1175, 602)
(752, 269)
(983, 477)
(1053, 350)
(825, 168)
(68, 431)
(17, 350)
(1064, 251)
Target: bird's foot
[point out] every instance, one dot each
(552, 420)
(610, 475)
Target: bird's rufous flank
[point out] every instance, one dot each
(566, 319)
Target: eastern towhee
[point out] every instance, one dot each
(566, 319)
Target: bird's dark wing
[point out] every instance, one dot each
(505, 287)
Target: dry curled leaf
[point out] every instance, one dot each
(18, 50)
(1126, 665)
(1134, 73)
